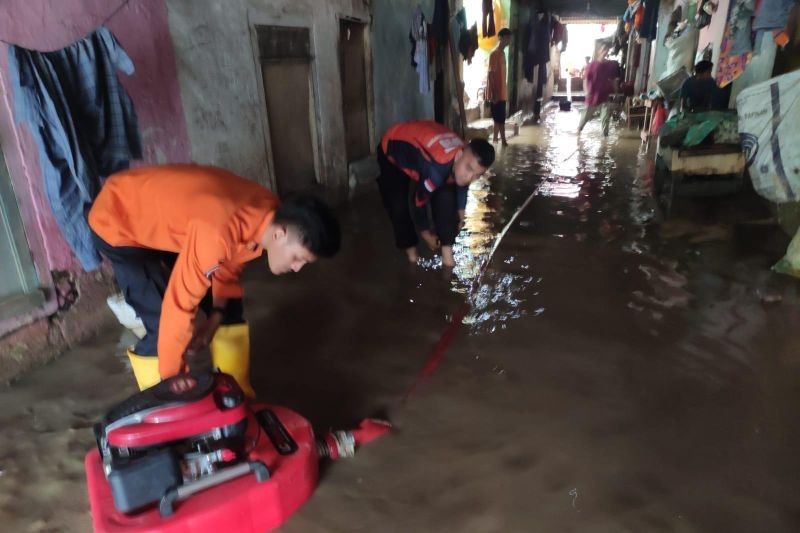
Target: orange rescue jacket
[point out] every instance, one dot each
(211, 218)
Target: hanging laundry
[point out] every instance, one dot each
(487, 19)
(467, 39)
(704, 12)
(468, 43)
(419, 36)
(441, 17)
(560, 34)
(648, 29)
(83, 123)
(633, 14)
(731, 65)
(620, 39)
(638, 17)
(538, 35)
(773, 14)
(741, 21)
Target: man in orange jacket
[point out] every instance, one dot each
(430, 162)
(178, 237)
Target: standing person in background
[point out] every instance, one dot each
(497, 85)
(583, 68)
(601, 79)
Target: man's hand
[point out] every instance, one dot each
(430, 239)
(204, 333)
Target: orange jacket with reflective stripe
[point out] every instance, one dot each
(425, 151)
(211, 218)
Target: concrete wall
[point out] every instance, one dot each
(397, 96)
(76, 308)
(221, 84)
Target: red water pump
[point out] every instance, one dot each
(192, 455)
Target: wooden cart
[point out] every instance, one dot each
(700, 171)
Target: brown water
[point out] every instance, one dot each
(617, 371)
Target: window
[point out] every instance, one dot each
(19, 284)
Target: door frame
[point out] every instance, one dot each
(255, 19)
(371, 134)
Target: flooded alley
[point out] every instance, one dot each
(616, 368)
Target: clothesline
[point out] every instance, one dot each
(102, 23)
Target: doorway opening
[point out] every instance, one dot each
(475, 71)
(355, 106)
(285, 58)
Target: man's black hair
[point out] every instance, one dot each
(505, 32)
(483, 151)
(703, 66)
(314, 222)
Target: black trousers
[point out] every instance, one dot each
(487, 18)
(498, 112)
(541, 79)
(396, 191)
(142, 275)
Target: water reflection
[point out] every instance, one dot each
(495, 297)
(499, 299)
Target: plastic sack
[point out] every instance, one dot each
(659, 118)
(769, 114)
(790, 264)
(670, 86)
(680, 51)
(126, 315)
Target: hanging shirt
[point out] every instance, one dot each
(425, 151)
(211, 218)
(773, 14)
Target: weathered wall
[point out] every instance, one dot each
(76, 307)
(221, 85)
(714, 31)
(397, 95)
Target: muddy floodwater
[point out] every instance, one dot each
(616, 370)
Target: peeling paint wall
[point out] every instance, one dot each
(221, 85)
